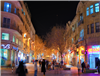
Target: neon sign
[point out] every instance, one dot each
(94, 49)
(6, 46)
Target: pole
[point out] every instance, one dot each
(12, 69)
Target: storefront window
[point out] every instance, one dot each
(5, 36)
(4, 56)
(12, 55)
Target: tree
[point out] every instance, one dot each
(39, 45)
(56, 39)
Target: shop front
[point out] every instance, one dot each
(4, 56)
(93, 56)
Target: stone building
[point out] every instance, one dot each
(83, 33)
(17, 33)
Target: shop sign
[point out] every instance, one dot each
(5, 46)
(15, 48)
(94, 49)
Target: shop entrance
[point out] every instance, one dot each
(3, 57)
(94, 60)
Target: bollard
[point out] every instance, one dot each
(12, 69)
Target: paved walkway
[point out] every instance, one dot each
(59, 72)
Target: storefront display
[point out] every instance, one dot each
(20, 56)
(93, 56)
(4, 56)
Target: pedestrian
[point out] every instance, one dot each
(83, 67)
(78, 66)
(33, 61)
(40, 63)
(35, 68)
(61, 63)
(21, 70)
(53, 64)
(47, 62)
(43, 69)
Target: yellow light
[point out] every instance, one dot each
(28, 38)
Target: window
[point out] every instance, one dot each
(87, 11)
(97, 7)
(97, 27)
(72, 40)
(16, 41)
(5, 36)
(92, 28)
(81, 17)
(91, 9)
(19, 42)
(7, 7)
(82, 33)
(13, 38)
(6, 22)
(87, 29)
(15, 10)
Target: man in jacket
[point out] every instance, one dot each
(35, 68)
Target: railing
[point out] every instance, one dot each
(80, 22)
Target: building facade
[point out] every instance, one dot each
(83, 36)
(17, 33)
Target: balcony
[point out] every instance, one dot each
(80, 22)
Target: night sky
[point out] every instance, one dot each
(45, 14)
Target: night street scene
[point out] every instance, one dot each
(50, 38)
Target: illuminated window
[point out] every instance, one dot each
(97, 26)
(19, 42)
(7, 7)
(5, 36)
(97, 7)
(6, 22)
(82, 33)
(91, 9)
(81, 16)
(87, 29)
(15, 10)
(92, 28)
(87, 11)
(13, 38)
(16, 41)
(72, 40)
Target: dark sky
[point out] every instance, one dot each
(44, 14)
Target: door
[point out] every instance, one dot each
(96, 61)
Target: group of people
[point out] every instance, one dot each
(84, 66)
(42, 64)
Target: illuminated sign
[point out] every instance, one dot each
(6, 46)
(94, 49)
(15, 48)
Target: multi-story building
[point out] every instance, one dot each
(83, 37)
(17, 33)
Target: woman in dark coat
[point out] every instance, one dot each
(43, 69)
(21, 69)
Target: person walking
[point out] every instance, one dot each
(53, 64)
(35, 68)
(21, 70)
(83, 67)
(43, 69)
(78, 66)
